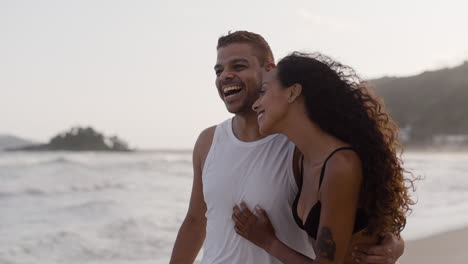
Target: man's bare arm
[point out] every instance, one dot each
(388, 251)
(193, 229)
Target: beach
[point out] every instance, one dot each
(126, 208)
(448, 247)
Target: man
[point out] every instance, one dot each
(233, 163)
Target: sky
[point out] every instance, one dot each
(143, 70)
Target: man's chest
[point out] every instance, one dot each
(253, 179)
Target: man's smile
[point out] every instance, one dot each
(231, 90)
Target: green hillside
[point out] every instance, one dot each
(432, 103)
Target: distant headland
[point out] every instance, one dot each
(430, 108)
(79, 139)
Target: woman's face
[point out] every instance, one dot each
(272, 104)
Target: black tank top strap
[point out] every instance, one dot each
(302, 171)
(322, 173)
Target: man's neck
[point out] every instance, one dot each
(245, 127)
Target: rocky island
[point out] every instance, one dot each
(79, 139)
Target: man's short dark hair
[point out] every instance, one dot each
(264, 52)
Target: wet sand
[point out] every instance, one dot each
(446, 248)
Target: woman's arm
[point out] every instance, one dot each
(339, 196)
(260, 231)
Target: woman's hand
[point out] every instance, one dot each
(256, 229)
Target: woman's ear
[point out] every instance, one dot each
(295, 91)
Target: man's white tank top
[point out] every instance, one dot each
(258, 173)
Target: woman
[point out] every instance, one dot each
(352, 184)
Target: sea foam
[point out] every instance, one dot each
(91, 207)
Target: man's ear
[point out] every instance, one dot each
(295, 92)
(269, 66)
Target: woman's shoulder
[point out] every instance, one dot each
(343, 165)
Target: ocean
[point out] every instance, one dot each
(90, 207)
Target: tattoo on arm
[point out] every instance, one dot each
(326, 246)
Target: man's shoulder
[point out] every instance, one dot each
(282, 137)
(203, 145)
(281, 142)
(205, 138)
(207, 133)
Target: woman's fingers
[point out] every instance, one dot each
(244, 219)
(246, 211)
(261, 213)
(239, 215)
(238, 222)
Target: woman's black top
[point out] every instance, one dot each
(313, 218)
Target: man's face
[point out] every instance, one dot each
(238, 77)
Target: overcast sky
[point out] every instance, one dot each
(144, 69)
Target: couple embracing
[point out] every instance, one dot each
(305, 172)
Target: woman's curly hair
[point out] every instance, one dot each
(341, 104)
